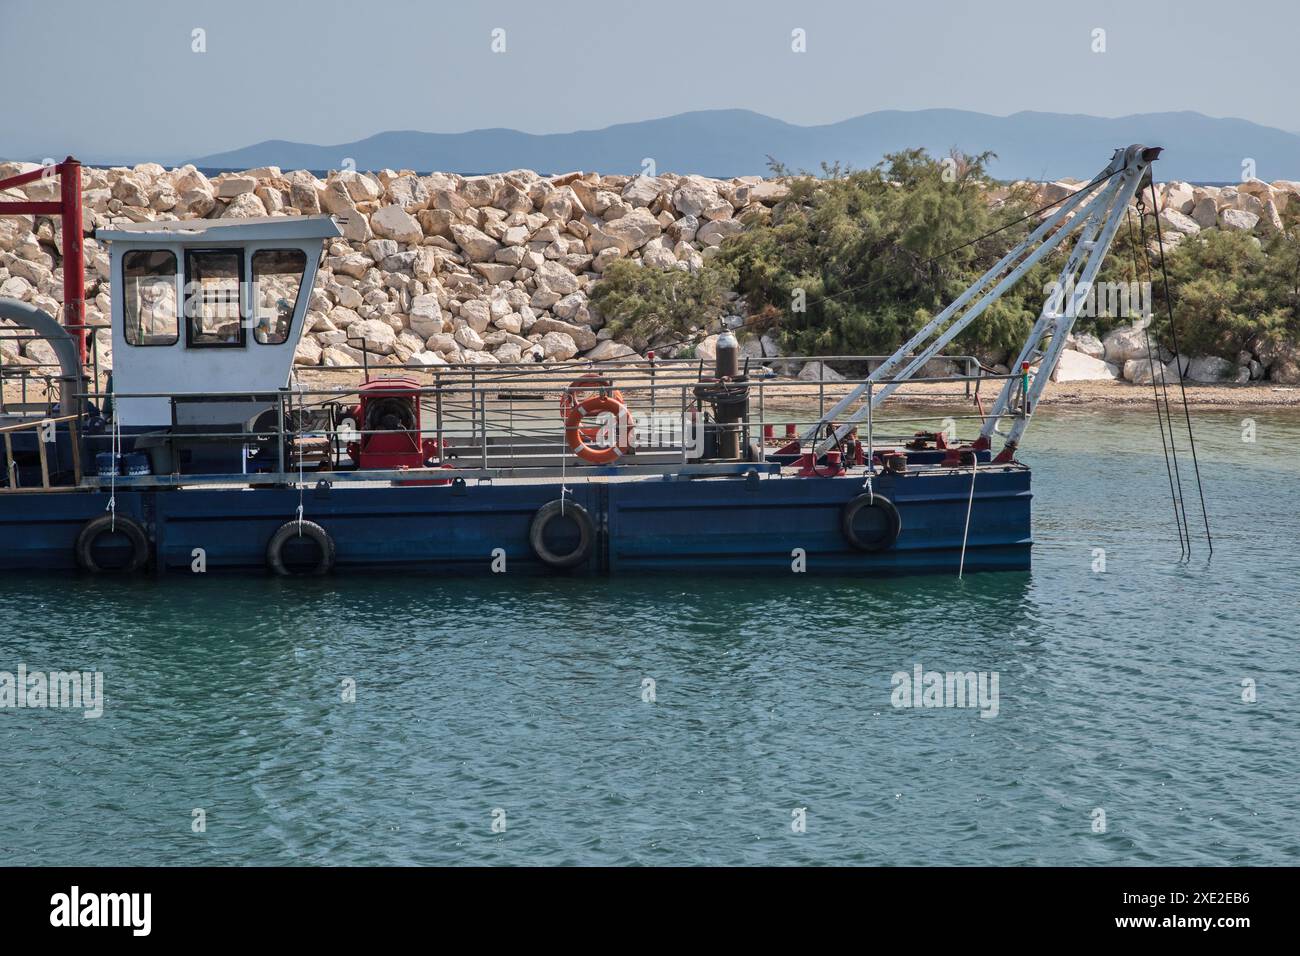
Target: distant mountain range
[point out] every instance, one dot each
(725, 143)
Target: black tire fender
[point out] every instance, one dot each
(119, 524)
(855, 506)
(545, 515)
(308, 529)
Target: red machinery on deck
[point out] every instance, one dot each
(389, 419)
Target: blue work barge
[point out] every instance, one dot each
(205, 448)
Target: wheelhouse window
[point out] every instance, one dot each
(149, 297)
(277, 280)
(212, 300)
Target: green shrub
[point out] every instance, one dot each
(867, 251)
(857, 261)
(651, 306)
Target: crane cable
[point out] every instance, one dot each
(1162, 411)
(1173, 332)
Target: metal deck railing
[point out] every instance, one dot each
(489, 421)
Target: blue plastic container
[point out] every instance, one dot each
(136, 465)
(133, 465)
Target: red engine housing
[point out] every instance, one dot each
(389, 419)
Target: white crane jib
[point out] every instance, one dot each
(1094, 212)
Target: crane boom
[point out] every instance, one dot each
(1094, 213)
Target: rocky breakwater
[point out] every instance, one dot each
(443, 268)
(431, 269)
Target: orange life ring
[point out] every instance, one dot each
(579, 438)
(583, 387)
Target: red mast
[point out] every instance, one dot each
(68, 208)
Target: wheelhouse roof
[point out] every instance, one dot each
(223, 230)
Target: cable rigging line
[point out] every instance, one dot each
(1153, 357)
(1179, 518)
(1173, 331)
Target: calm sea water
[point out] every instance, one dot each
(1120, 691)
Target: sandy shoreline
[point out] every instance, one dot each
(921, 393)
(1123, 394)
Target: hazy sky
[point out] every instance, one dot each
(325, 71)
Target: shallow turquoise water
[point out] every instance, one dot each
(1118, 690)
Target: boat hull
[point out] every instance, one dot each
(743, 524)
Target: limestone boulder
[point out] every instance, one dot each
(307, 352)
(42, 353)
(409, 192)
(1205, 212)
(1237, 220)
(557, 278)
(477, 314)
(769, 193)
(352, 264)
(425, 316)
(1089, 345)
(1074, 366)
(1270, 220)
(819, 372)
(1177, 197)
(339, 356)
(1142, 371)
(468, 338)
(1173, 221)
(609, 350)
(712, 233)
(643, 190)
(245, 206)
(1210, 368)
(658, 254)
(627, 233)
(187, 177)
(694, 195)
(1125, 344)
(441, 342)
(558, 346)
(130, 191)
(479, 246)
(480, 191)
(233, 186)
(362, 187)
(582, 337)
(378, 336)
(394, 222)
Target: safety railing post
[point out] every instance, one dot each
(76, 451)
(871, 438)
(279, 408)
(437, 412)
(821, 390)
